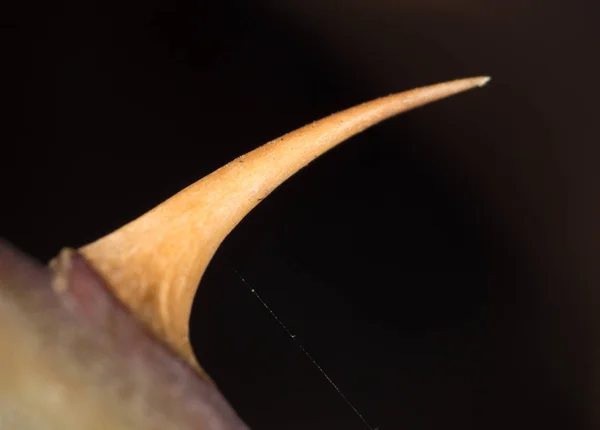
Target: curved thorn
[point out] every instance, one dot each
(155, 263)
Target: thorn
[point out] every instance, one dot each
(154, 263)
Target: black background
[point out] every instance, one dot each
(441, 267)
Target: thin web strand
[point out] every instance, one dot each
(306, 353)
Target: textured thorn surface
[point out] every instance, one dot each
(156, 262)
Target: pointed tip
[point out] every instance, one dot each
(483, 80)
(155, 263)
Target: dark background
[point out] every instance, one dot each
(442, 267)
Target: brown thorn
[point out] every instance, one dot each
(155, 262)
